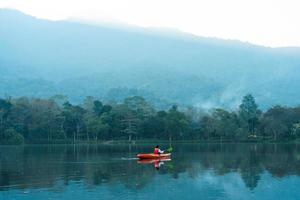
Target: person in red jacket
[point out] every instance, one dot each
(157, 150)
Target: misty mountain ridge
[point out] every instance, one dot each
(41, 58)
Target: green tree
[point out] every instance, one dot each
(140, 106)
(207, 127)
(278, 122)
(5, 108)
(249, 114)
(44, 121)
(176, 123)
(20, 116)
(296, 130)
(11, 136)
(98, 108)
(96, 128)
(74, 123)
(226, 124)
(155, 126)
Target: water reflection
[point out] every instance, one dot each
(40, 167)
(158, 163)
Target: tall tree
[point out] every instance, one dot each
(176, 123)
(249, 113)
(5, 108)
(74, 122)
(98, 108)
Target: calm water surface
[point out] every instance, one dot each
(207, 171)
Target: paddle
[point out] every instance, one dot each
(170, 149)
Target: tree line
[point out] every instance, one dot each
(57, 120)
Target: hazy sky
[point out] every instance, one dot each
(266, 22)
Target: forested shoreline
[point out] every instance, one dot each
(53, 120)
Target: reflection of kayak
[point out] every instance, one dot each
(149, 161)
(153, 156)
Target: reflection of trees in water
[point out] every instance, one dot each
(251, 177)
(249, 160)
(43, 166)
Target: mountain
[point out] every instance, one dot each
(41, 58)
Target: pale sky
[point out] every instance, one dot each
(265, 22)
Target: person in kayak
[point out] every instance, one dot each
(157, 150)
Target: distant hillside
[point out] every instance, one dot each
(43, 58)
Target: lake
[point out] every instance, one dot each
(204, 171)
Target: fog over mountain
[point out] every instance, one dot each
(41, 58)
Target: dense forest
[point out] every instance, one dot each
(24, 120)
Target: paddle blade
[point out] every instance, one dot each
(170, 149)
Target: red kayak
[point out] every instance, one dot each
(153, 156)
